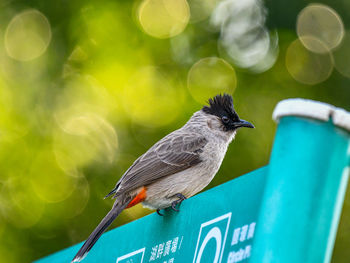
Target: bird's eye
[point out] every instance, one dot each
(225, 119)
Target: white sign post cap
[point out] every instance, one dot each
(312, 109)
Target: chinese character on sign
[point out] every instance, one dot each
(174, 244)
(167, 248)
(160, 250)
(154, 253)
(240, 255)
(243, 233)
(246, 253)
(235, 236)
(251, 230)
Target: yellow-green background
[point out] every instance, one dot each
(74, 118)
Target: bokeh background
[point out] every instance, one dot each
(88, 86)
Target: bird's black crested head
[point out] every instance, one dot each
(222, 107)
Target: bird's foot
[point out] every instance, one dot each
(159, 213)
(179, 201)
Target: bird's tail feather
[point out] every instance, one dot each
(100, 229)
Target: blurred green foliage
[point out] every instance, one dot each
(85, 90)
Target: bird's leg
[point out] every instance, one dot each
(159, 213)
(178, 201)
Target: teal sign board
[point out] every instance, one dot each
(215, 226)
(285, 212)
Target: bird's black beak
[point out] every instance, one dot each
(243, 123)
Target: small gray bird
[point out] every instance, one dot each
(176, 167)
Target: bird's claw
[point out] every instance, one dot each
(181, 197)
(179, 201)
(173, 206)
(159, 213)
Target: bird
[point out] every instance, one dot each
(176, 167)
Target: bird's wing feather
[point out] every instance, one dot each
(174, 153)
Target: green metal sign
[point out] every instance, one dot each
(215, 226)
(285, 212)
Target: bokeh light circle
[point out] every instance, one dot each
(242, 53)
(209, 77)
(84, 139)
(321, 22)
(163, 18)
(270, 57)
(342, 56)
(308, 67)
(27, 35)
